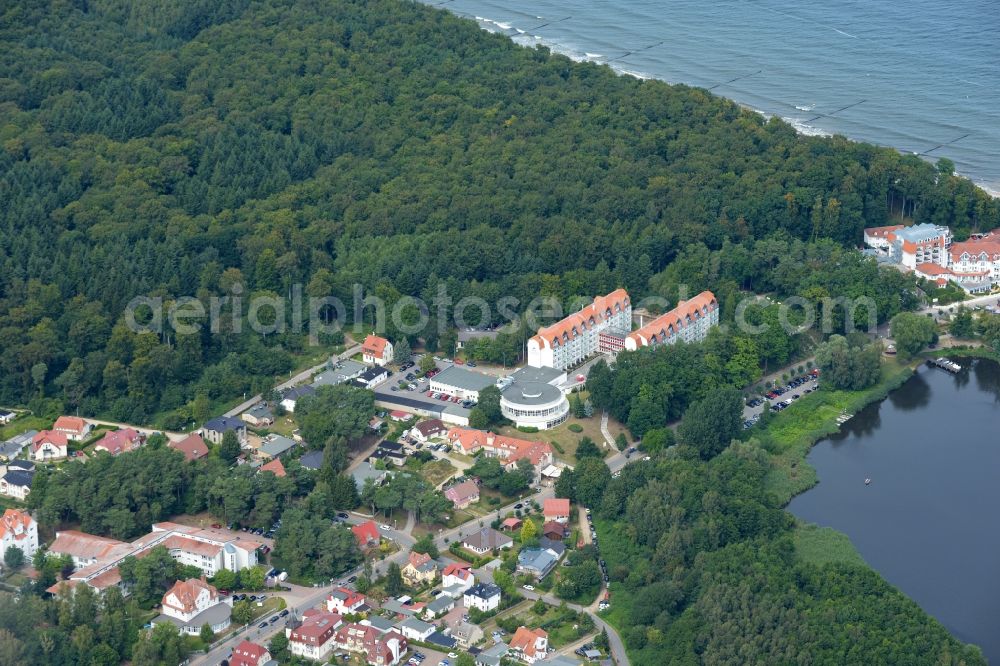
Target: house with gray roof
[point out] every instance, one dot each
(487, 539)
(11, 448)
(275, 446)
(380, 623)
(291, 397)
(220, 425)
(366, 471)
(439, 606)
(342, 372)
(536, 561)
(493, 655)
(416, 630)
(259, 415)
(312, 460)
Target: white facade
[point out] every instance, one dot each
(577, 337)
(482, 597)
(689, 322)
(534, 405)
(19, 529)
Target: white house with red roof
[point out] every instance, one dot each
(19, 529)
(191, 604)
(378, 648)
(314, 637)
(556, 509)
(377, 350)
(458, 577)
(508, 449)
(529, 645)
(249, 654)
(579, 336)
(120, 441)
(73, 427)
(345, 601)
(49, 445)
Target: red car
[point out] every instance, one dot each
(459, 361)
(216, 526)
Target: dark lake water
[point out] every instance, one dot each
(928, 521)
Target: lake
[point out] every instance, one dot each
(927, 523)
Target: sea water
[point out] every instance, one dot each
(920, 76)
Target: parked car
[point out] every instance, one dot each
(529, 588)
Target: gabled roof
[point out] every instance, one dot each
(186, 593)
(673, 321)
(53, 437)
(83, 545)
(224, 424)
(275, 467)
(462, 492)
(524, 640)
(297, 392)
(511, 448)
(193, 447)
(71, 424)
(555, 506)
(119, 441)
(431, 427)
(579, 322)
(483, 591)
(374, 346)
(487, 539)
(366, 532)
(21, 478)
(460, 569)
(248, 654)
(15, 523)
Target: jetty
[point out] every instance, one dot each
(945, 364)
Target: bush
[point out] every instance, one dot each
(527, 428)
(575, 427)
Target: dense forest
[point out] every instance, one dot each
(179, 148)
(199, 148)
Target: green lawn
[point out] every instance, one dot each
(436, 472)
(789, 435)
(22, 423)
(824, 545)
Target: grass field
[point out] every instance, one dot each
(824, 545)
(22, 423)
(436, 472)
(790, 434)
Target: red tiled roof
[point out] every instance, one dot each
(511, 523)
(510, 449)
(193, 546)
(186, 593)
(249, 654)
(524, 640)
(882, 231)
(366, 532)
(585, 319)
(274, 467)
(462, 492)
(15, 523)
(57, 439)
(459, 569)
(120, 441)
(71, 424)
(82, 545)
(193, 447)
(555, 506)
(417, 559)
(317, 627)
(374, 345)
(675, 320)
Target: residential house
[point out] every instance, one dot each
(557, 546)
(595, 328)
(6, 416)
(389, 452)
(463, 494)
(19, 529)
(403, 607)
(275, 446)
(416, 630)
(345, 601)
(49, 445)
(341, 372)
(312, 460)
(377, 350)
(466, 633)
(16, 481)
(292, 396)
(249, 654)
(366, 471)
(120, 441)
(315, 636)
(508, 449)
(191, 604)
(484, 596)
(511, 524)
(372, 377)
(75, 428)
(378, 648)
(529, 645)
(537, 562)
(554, 530)
(219, 426)
(380, 623)
(427, 430)
(556, 509)
(420, 569)
(400, 416)
(193, 447)
(12, 448)
(274, 467)
(260, 415)
(486, 539)
(366, 534)
(442, 641)
(439, 606)
(492, 656)
(457, 576)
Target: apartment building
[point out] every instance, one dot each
(690, 321)
(578, 336)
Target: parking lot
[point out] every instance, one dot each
(416, 391)
(780, 397)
